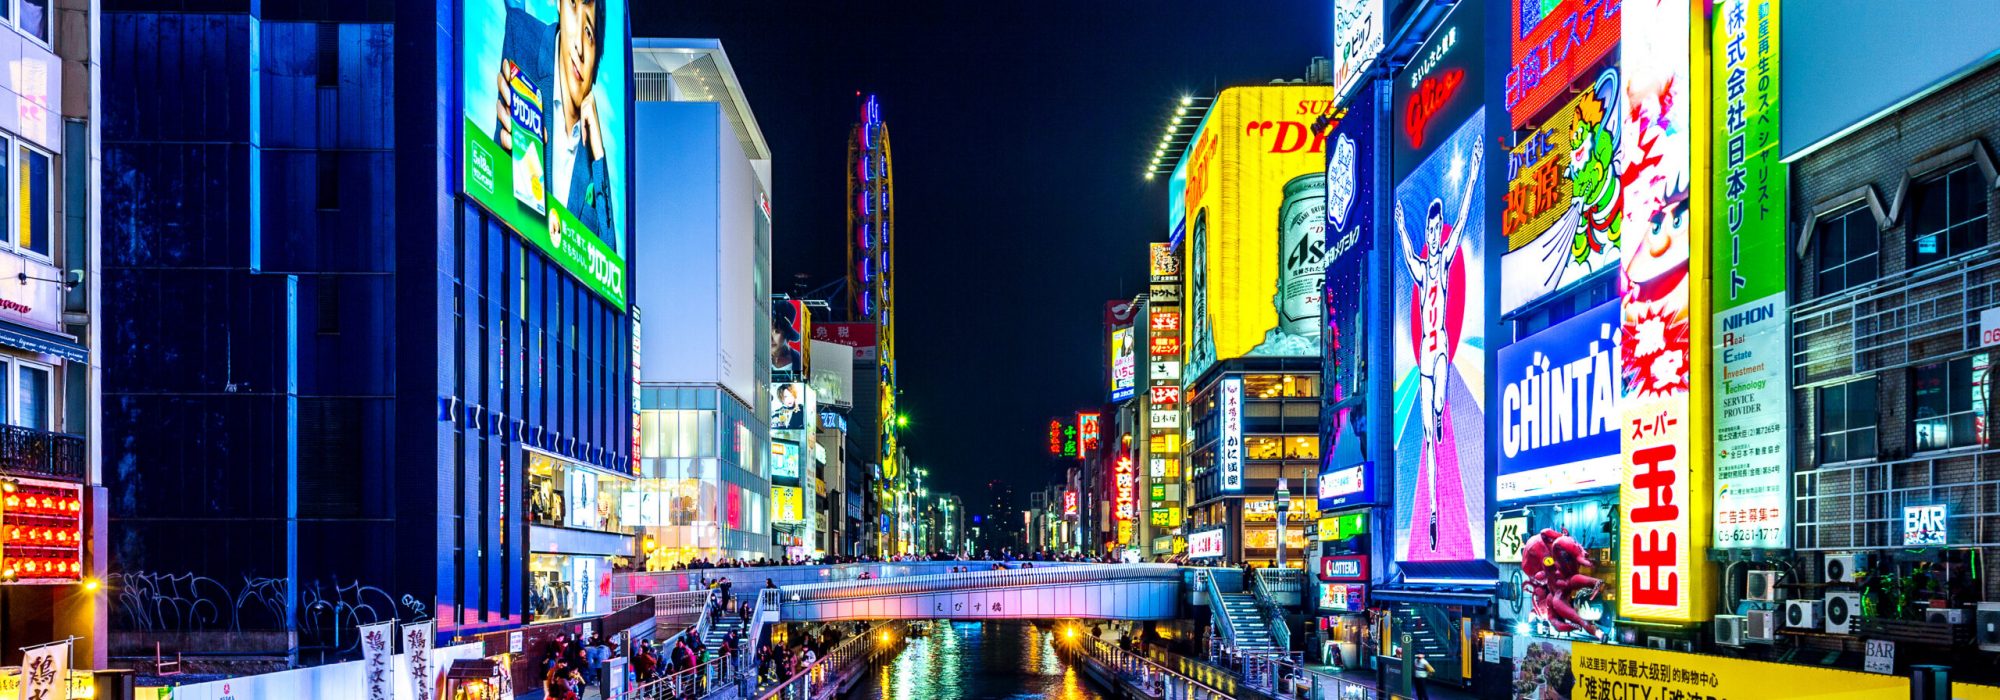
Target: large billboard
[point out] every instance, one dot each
(1350, 226)
(1229, 450)
(1439, 291)
(1357, 38)
(1440, 88)
(791, 328)
(857, 335)
(1558, 417)
(1562, 219)
(832, 372)
(1124, 364)
(543, 88)
(1662, 492)
(1256, 238)
(1751, 382)
(1555, 42)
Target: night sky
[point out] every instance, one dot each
(1020, 131)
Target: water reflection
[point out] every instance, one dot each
(978, 660)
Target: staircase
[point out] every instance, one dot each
(1251, 630)
(721, 625)
(1432, 634)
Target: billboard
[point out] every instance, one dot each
(1567, 585)
(1558, 417)
(1439, 89)
(1089, 434)
(1439, 426)
(788, 504)
(857, 335)
(832, 372)
(1661, 489)
(547, 157)
(785, 462)
(791, 406)
(1125, 481)
(1229, 450)
(1562, 217)
(791, 328)
(1062, 438)
(1256, 237)
(1555, 41)
(1124, 364)
(1207, 544)
(1345, 341)
(1357, 38)
(1751, 384)
(1162, 266)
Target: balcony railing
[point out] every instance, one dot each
(40, 453)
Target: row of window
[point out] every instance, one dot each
(1948, 406)
(31, 229)
(1947, 217)
(32, 17)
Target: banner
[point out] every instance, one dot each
(1231, 448)
(44, 669)
(1752, 378)
(1558, 416)
(378, 659)
(417, 640)
(1606, 671)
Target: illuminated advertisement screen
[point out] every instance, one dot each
(547, 156)
(1162, 266)
(1069, 505)
(787, 504)
(791, 406)
(1439, 294)
(1350, 225)
(1662, 488)
(1555, 42)
(1126, 483)
(1124, 364)
(1558, 413)
(1439, 90)
(1205, 545)
(1752, 378)
(1357, 38)
(1088, 433)
(1562, 215)
(44, 522)
(1230, 451)
(1256, 229)
(785, 459)
(791, 327)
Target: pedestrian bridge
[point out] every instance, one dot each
(1092, 591)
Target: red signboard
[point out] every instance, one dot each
(860, 336)
(1166, 396)
(1127, 482)
(1055, 438)
(1552, 47)
(1069, 505)
(1166, 346)
(1344, 568)
(1165, 320)
(1087, 433)
(41, 533)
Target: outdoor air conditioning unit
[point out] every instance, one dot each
(1841, 568)
(1841, 609)
(1986, 626)
(1729, 630)
(1951, 616)
(1762, 627)
(1802, 614)
(1659, 643)
(1763, 587)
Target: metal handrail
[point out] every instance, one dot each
(767, 600)
(822, 680)
(1218, 613)
(1268, 584)
(705, 680)
(31, 452)
(1135, 667)
(978, 580)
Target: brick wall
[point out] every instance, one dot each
(1935, 310)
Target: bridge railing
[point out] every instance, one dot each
(718, 679)
(752, 577)
(766, 608)
(1217, 612)
(1150, 676)
(976, 580)
(823, 680)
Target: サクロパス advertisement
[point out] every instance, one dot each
(543, 85)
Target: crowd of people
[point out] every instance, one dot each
(1006, 554)
(576, 663)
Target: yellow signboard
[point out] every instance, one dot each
(1255, 211)
(1605, 671)
(787, 504)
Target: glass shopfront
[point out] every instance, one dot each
(562, 586)
(562, 493)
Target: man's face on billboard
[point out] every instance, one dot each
(578, 46)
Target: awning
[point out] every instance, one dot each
(1472, 596)
(36, 340)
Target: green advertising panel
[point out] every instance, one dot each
(543, 84)
(1752, 320)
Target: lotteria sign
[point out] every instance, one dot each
(1558, 419)
(1440, 88)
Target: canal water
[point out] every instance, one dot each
(977, 660)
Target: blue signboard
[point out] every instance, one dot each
(1557, 418)
(1346, 473)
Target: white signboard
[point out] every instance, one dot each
(1753, 433)
(1203, 545)
(1164, 418)
(1232, 434)
(1881, 657)
(1924, 526)
(1357, 38)
(1989, 327)
(1509, 534)
(1165, 370)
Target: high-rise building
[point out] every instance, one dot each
(361, 361)
(706, 414)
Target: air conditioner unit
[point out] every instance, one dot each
(1841, 568)
(1986, 626)
(1953, 616)
(1802, 614)
(1841, 609)
(1762, 587)
(1729, 630)
(1762, 627)
(1657, 643)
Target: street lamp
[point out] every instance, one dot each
(1284, 505)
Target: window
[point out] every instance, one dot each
(1845, 249)
(1948, 403)
(1947, 215)
(36, 216)
(31, 396)
(1847, 422)
(34, 18)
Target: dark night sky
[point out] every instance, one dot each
(1020, 131)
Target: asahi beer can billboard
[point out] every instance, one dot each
(1301, 255)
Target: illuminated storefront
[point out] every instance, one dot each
(578, 531)
(704, 492)
(1277, 435)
